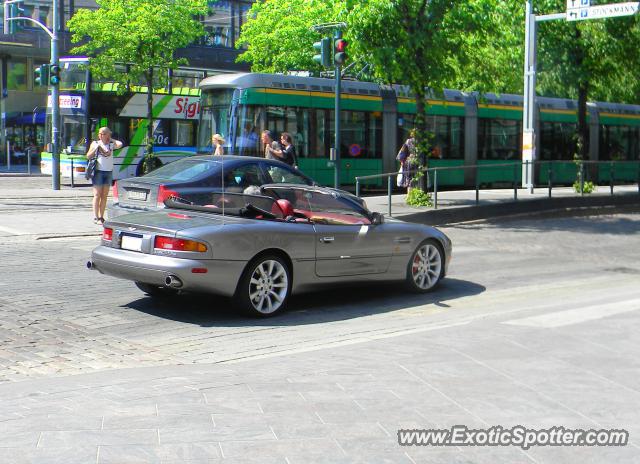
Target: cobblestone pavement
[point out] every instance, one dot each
(536, 325)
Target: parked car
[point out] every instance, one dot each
(259, 249)
(201, 174)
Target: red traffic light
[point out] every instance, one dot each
(340, 54)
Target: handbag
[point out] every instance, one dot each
(400, 176)
(92, 165)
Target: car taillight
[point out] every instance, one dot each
(115, 191)
(107, 234)
(178, 244)
(163, 194)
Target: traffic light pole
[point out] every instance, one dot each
(338, 35)
(55, 102)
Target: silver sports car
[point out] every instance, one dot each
(261, 248)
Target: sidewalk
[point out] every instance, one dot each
(21, 191)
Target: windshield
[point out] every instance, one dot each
(287, 203)
(215, 116)
(73, 75)
(184, 170)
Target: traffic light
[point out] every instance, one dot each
(13, 10)
(323, 49)
(42, 76)
(340, 53)
(54, 74)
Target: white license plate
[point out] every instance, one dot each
(132, 243)
(137, 195)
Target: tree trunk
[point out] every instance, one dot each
(583, 128)
(422, 137)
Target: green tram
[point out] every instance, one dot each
(375, 121)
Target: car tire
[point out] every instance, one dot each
(426, 267)
(154, 290)
(264, 287)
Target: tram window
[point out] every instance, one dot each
(247, 134)
(374, 135)
(557, 140)
(182, 133)
(318, 134)
(498, 139)
(618, 143)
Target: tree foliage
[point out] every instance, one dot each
(143, 34)
(587, 60)
(278, 37)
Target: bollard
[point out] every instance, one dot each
(611, 176)
(29, 161)
(357, 187)
(515, 181)
(581, 179)
(389, 193)
(72, 184)
(549, 175)
(435, 189)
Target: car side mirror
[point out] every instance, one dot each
(377, 218)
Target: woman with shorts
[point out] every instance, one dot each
(102, 148)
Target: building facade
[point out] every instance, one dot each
(23, 104)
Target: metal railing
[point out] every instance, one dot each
(582, 175)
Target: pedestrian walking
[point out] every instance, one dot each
(102, 150)
(269, 145)
(218, 141)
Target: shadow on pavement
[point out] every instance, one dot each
(577, 221)
(330, 305)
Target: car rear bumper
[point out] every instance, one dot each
(221, 277)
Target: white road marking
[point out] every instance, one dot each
(9, 230)
(577, 316)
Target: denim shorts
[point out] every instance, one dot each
(102, 178)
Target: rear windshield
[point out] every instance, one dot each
(184, 170)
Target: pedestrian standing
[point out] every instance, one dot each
(407, 156)
(270, 145)
(218, 142)
(102, 149)
(287, 152)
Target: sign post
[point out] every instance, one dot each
(577, 10)
(55, 104)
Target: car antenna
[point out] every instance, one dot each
(222, 181)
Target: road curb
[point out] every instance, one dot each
(521, 209)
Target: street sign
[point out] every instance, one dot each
(573, 4)
(602, 11)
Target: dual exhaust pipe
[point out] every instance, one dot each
(170, 281)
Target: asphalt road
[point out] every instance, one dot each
(536, 325)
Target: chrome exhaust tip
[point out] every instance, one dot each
(90, 265)
(172, 281)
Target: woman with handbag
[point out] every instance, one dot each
(101, 154)
(406, 157)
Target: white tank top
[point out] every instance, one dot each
(105, 163)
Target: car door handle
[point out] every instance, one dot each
(327, 239)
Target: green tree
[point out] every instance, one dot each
(144, 35)
(278, 37)
(437, 44)
(587, 60)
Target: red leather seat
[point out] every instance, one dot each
(285, 206)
